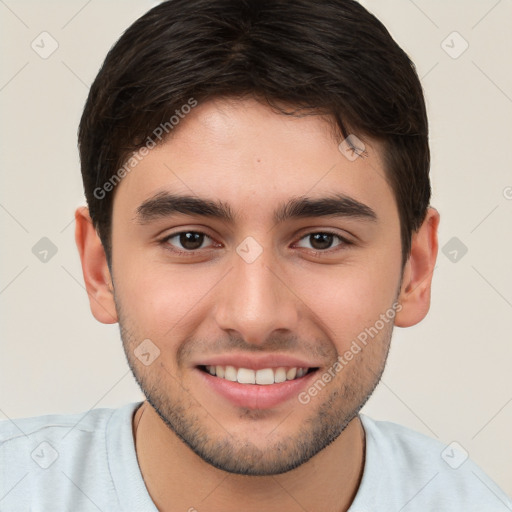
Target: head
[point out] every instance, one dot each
(257, 182)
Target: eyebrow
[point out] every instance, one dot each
(165, 204)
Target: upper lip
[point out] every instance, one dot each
(256, 362)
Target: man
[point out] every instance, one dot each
(258, 220)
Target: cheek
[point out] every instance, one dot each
(162, 297)
(350, 298)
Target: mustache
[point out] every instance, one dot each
(292, 344)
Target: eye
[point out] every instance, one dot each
(321, 241)
(187, 240)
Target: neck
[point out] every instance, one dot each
(177, 479)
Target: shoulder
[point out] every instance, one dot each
(12, 430)
(24, 440)
(46, 457)
(409, 469)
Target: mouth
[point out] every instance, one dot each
(262, 376)
(256, 388)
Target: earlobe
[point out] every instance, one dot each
(98, 281)
(417, 276)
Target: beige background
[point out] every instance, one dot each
(449, 377)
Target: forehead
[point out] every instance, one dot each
(245, 154)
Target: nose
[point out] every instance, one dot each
(256, 300)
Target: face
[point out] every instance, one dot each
(247, 246)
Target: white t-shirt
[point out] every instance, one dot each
(87, 462)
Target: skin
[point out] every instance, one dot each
(195, 448)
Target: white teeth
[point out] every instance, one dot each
(280, 375)
(246, 376)
(264, 376)
(230, 373)
(291, 374)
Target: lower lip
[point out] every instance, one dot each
(257, 396)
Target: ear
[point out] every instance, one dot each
(417, 276)
(98, 281)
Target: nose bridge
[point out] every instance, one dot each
(254, 301)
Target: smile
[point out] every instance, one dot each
(263, 376)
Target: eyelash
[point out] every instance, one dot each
(315, 252)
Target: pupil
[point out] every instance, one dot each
(191, 241)
(321, 240)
